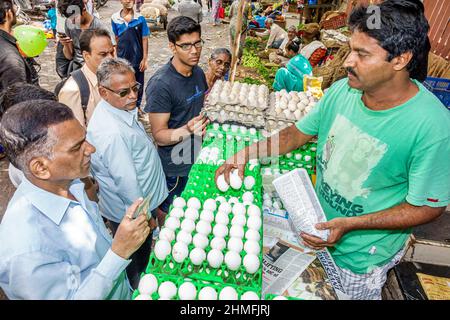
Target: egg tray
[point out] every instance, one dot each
(204, 271)
(271, 296)
(178, 281)
(228, 114)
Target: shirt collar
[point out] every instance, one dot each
(129, 117)
(50, 204)
(8, 37)
(91, 77)
(117, 18)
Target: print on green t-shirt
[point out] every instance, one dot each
(369, 161)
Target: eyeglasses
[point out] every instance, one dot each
(220, 63)
(188, 46)
(125, 92)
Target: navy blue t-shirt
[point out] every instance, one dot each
(170, 92)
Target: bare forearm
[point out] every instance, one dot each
(68, 52)
(402, 216)
(168, 137)
(145, 47)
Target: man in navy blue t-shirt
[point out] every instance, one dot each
(131, 31)
(174, 99)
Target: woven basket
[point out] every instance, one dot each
(336, 22)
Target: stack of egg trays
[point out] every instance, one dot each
(178, 281)
(204, 271)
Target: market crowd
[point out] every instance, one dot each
(82, 160)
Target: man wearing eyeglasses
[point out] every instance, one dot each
(126, 164)
(174, 99)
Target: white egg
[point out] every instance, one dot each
(280, 298)
(218, 243)
(167, 290)
(143, 297)
(238, 209)
(162, 249)
(235, 181)
(254, 222)
(237, 231)
(167, 234)
(179, 202)
(307, 158)
(215, 258)
(197, 256)
(194, 203)
(235, 244)
(222, 185)
(184, 236)
(172, 223)
(203, 227)
(221, 199)
(252, 235)
(254, 210)
(191, 214)
(225, 207)
(248, 196)
(188, 225)
(222, 218)
(148, 284)
(207, 293)
(207, 216)
(250, 295)
(228, 293)
(252, 247)
(239, 220)
(187, 291)
(180, 251)
(220, 231)
(297, 114)
(233, 200)
(200, 241)
(176, 212)
(233, 260)
(210, 204)
(251, 263)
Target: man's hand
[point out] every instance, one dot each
(131, 233)
(143, 65)
(198, 125)
(338, 227)
(234, 162)
(65, 41)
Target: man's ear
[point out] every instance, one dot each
(103, 92)
(39, 167)
(172, 48)
(402, 61)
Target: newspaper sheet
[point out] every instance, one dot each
(282, 264)
(300, 200)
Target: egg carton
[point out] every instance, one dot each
(199, 285)
(204, 271)
(274, 125)
(243, 94)
(243, 117)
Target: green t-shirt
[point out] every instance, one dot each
(369, 161)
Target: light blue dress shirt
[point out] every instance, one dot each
(54, 248)
(126, 163)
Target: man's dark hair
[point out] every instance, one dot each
(69, 7)
(292, 45)
(403, 28)
(87, 35)
(22, 91)
(5, 5)
(24, 130)
(182, 25)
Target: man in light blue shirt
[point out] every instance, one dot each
(54, 244)
(126, 164)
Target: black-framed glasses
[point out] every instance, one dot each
(125, 92)
(188, 46)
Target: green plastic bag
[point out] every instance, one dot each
(30, 40)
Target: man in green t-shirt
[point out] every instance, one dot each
(383, 147)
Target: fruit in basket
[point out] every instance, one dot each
(148, 284)
(180, 251)
(187, 291)
(167, 290)
(215, 258)
(228, 293)
(251, 263)
(162, 249)
(207, 293)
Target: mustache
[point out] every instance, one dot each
(351, 71)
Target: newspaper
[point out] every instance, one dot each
(300, 200)
(333, 273)
(282, 264)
